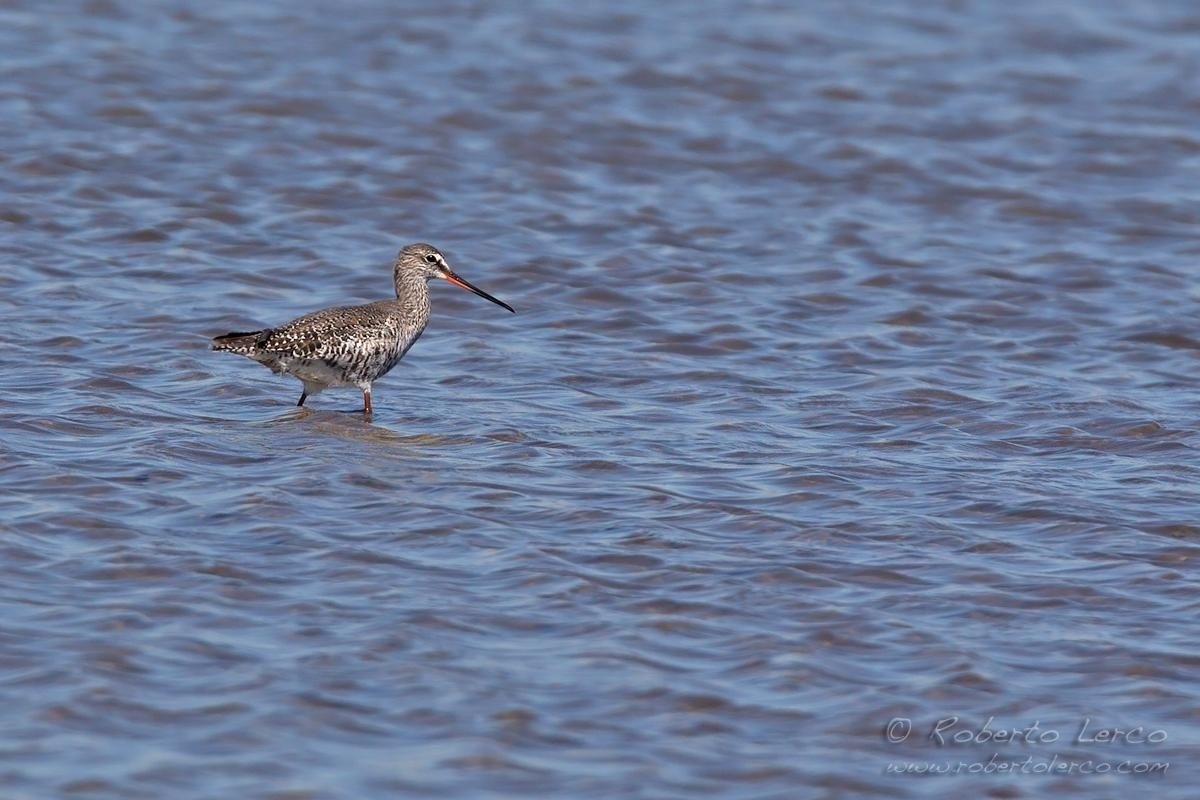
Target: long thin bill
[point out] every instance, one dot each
(461, 282)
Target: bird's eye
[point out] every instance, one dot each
(431, 258)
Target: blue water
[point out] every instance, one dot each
(850, 399)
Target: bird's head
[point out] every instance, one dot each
(427, 262)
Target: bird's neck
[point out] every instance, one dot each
(410, 286)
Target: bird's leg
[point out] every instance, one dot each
(367, 403)
(303, 397)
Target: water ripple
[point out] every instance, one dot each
(850, 381)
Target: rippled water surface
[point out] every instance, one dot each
(853, 381)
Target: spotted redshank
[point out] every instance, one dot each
(353, 345)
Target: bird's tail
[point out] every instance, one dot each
(238, 342)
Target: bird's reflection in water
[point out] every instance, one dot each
(349, 423)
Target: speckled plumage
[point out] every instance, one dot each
(353, 345)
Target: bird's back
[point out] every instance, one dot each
(356, 343)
